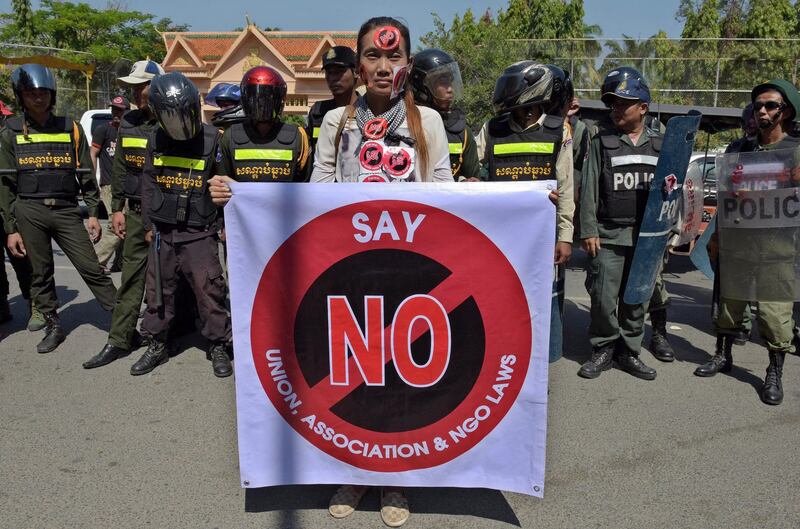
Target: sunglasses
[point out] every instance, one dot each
(769, 105)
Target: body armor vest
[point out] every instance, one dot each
(315, 117)
(182, 170)
(625, 178)
(271, 161)
(46, 161)
(455, 124)
(133, 142)
(527, 155)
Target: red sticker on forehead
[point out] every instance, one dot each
(387, 38)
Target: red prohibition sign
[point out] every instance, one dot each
(376, 128)
(374, 178)
(485, 276)
(397, 162)
(387, 38)
(371, 156)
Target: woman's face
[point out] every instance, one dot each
(377, 63)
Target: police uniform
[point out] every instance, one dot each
(40, 202)
(176, 204)
(126, 196)
(542, 151)
(315, 117)
(280, 156)
(616, 181)
(775, 321)
(463, 149)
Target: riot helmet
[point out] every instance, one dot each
(626, 83)
(791, 98)
(32, 76)
(227, 117)
(432, 68)
(563, 91)
(522, 84)
(263, 94)
(224, 95)
(175, 102)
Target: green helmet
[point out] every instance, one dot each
(790, 95)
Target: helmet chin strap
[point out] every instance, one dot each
(770, 121)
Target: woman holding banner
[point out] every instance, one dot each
(382, 137)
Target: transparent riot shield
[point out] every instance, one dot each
(758, 216)
(691, 213)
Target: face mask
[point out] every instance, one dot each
(399, 76)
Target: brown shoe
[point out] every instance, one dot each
(346, 499)
(394, 508)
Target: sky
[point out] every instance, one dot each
(638, 18)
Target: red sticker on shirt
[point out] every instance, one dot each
(371, 156)
(376, 128)
(374, 178)
(397, 163)
(387, 38)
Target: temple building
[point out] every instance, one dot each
(208, 58)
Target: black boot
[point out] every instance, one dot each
(220, 361)
(155, 355)
(722, 361)
(629, 362)
(107, 354)
(53, 333)
(772, 391)
(659, 346)
(600, 361)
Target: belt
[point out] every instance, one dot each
(51, 202)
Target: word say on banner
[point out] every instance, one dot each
(383, 345)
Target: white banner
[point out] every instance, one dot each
(392, 334)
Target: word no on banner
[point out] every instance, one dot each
(393, 334)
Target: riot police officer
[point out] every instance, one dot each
(523, 142)
(41, 153)
(262, 148)
(436, 82)
(227, 97)
(775, 105)
(180, 223)
(339, 65)
(611, 213)
(126, 202)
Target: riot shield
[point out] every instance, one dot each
(758, 218)
(691, 213)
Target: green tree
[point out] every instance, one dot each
(22, 19)
(112, 37)
(485, 45)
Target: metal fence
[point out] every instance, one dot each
(701, 71)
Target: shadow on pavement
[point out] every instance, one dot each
(480, 503)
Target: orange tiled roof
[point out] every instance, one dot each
(295, 46)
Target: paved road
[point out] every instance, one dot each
(99, 449)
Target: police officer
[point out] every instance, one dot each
(22, 269)
(524, 143)
(40, 195)
(436, 83)
(104, 143)
(339, 65)
(126, 203)
(611, 213)
(775, 105)
(227, 97)
(262, 148)
(180, 223)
